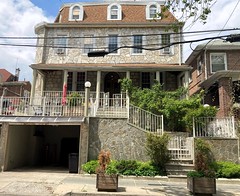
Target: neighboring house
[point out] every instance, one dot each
(11, 87)
(216, 70)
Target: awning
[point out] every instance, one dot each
(42, 120)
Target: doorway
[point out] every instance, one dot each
(111, 84)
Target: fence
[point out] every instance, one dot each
(145, 120)
(214, 127)
(181, 148)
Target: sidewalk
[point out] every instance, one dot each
(42, 182)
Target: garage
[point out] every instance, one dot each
(41, 142)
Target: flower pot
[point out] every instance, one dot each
(107, 182)
(201, 185)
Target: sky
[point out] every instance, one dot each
(19, 17)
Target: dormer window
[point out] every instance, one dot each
(152, 10)
(114, 12)
(76, 13)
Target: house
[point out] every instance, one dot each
(10, 88)
(76, 107)
(215, 69)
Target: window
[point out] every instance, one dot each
(61, 44)
(218, 62)
(113, 43)
(166, 40)
(76, 12)
(146, 83)
(199, 65)
(76, 81)
(152, 11)
(114, 12)
(69, 81)
(80, 81)
(137, 42)
(88, 44)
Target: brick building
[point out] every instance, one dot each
(216, 70)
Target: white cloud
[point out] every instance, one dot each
(18, 18)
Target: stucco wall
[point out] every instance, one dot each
(123, 140)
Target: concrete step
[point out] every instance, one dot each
(180, 169)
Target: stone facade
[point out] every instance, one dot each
(76, 55)
(225, 149)
(123, 140)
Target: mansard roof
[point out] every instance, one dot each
(132, 13)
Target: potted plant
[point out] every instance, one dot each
(203, 179)
(107, 178)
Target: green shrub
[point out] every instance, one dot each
(111, 168)
(146, 169)
(74, 99)
(228, 170)
(127, 167)
(90, 167)
(157, 149)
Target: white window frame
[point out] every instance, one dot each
(118, 41)
(143, 42)
(148, 10)
(169, 50)
(225, 61)
(71, 11)
(199, 65)
(86, 36)
(119, 12)
(60, 49)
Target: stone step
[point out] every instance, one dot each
(180, 169)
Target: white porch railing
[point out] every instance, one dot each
(214, 127)
(41, 106)
(109, 107)
(145, 120)
(181, 148)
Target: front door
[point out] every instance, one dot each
(111, 84)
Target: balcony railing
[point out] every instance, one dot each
(41, 106)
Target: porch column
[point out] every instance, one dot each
(98, 87)
(4, 147)
(33, 86)
(83, 145)
(225, 96)
(158, 76)
(128, 74)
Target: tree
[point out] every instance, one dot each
(197, 9)
(178, 112)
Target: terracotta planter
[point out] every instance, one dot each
(201, 185)
(107, 182)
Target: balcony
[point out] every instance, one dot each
(53, 104)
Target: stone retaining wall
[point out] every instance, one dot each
(224, 149)
(123, 141)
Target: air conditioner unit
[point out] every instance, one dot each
(166, 50)
(60, 50)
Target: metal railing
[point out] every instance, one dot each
(181, 148)
(145, 120)
(109, 107)
(41, 106)
(214, 127)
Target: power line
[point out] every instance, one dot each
(106, 36)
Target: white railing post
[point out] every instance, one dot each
(44, 106)
(194, 130)
(1, 106)
(233, 127)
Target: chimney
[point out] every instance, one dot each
(17, 72)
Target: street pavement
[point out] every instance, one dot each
(60, 182)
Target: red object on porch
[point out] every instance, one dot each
(64, 95)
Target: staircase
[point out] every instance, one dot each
(179, 168)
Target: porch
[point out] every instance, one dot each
(55, 103)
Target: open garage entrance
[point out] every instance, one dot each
(41, 145)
